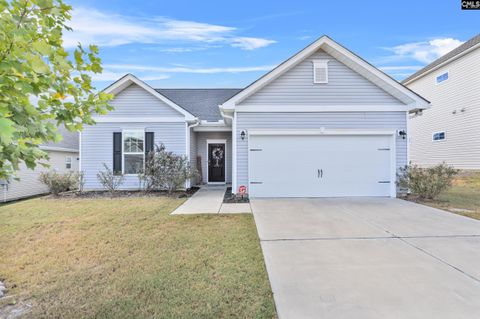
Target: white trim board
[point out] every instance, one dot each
(59, 149)
(217, 141)
(265, 108)
(320, 131)
(343, 55)
(129, 79)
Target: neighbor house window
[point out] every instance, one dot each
(438, 136)
(441, 78)
(68, 162)
(133, 154)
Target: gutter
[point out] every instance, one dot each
(195, 122)
(222, 112)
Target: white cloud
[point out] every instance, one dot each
(400, 68)
(425, 51)
(182, 69)
(109, 76)
(246, 43)
(92, 26)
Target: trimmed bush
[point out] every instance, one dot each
(59, 182)
(166, 170)
(426, 183)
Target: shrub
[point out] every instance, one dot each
(109, 180)
(426, 182)
(58, 182)
(166, 170)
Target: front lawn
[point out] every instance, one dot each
(128, 258)
(463, 198)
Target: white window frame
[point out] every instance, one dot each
(124, 132)
(322, 64)
(68, 160)
(438, 132)
(442, 73)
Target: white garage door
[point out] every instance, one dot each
(320, 165)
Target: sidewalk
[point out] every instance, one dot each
(209, 200)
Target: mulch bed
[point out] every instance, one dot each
(123, 194)
(231, 198)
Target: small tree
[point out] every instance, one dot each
(166, 170)
(109, 180)
(426, 182)
(58, 182)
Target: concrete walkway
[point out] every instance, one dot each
(209, 200)
(369, 258)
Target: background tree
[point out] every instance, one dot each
(42, 86)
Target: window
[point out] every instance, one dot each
(442, 78)
(133, 154)
(438, 136)
(68, 162)
(320, 71)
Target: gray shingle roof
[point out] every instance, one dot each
(203, 103)
(70, 139)
(467, 45)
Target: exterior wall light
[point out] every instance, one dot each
(242, 134)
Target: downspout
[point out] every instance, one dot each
(234, 147)
(195, 122)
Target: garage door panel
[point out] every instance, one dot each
(319, 166)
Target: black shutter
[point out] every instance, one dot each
(149, 143)
(117, 153)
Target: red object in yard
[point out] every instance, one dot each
(242, 190)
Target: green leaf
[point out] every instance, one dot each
(6, 130)
(38, 65)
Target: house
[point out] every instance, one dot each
(322, 123)
(449, 131)
(64, 157)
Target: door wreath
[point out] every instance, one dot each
(217, 155)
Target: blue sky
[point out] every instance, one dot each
(232, 43)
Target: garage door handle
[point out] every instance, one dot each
(319, 173)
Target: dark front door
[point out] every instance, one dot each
(216, 163)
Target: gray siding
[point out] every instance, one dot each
(193, 153)
(97, 147)
(202, 138)
(461, 91)
(344, 87)
(29, 185)
(332, 120)
(135, 101)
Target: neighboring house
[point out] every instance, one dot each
(63, 157)
(450, 130)
(323, 123)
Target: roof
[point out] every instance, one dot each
(203, 103)
(413, 100)
(69, 141)
(444, 58)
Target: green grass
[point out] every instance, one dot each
(128, 258)
(464, 195)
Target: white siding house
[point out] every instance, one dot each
(323, 123)
(64, 157)
(450, 130)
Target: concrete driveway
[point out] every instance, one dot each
(369, 258)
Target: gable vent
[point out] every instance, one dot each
(320, 71)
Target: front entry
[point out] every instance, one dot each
(216, 162)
